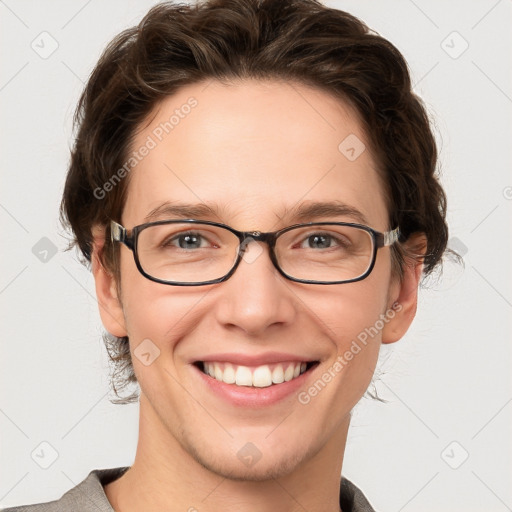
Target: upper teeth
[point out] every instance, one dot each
(260, 377)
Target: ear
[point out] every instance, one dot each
(404, 294)
(111, 310)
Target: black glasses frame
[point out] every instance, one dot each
(120, 234)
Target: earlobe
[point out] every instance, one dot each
(405, 300)
(111, 311)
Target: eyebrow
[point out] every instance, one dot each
(304, 212)
(182, 210)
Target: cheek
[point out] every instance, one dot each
(152, 310)
(347, 317)
(161, 313)
(352, 320)
(157, 318)
(350, 309)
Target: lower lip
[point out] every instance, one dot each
(247, 396)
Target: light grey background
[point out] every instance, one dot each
(448, 381)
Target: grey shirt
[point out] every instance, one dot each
(89, 496)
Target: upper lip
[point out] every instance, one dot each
(255, 360)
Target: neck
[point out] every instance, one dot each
(166, 477)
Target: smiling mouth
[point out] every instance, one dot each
(259, 377)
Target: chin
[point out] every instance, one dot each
(233, 467)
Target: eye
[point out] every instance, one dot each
(187, 241)
(324, 240)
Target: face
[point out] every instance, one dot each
(253, 151)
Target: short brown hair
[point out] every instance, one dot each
(299, 41)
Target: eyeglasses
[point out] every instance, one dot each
(193, 253)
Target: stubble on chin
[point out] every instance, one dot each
(230, 467)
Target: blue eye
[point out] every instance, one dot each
(189, 240)
(325, 241)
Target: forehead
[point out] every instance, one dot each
(254, 152)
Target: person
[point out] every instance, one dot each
(254, 184)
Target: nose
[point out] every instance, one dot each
(256, 297)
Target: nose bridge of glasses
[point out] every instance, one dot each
(256, 236)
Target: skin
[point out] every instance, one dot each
(253, 148)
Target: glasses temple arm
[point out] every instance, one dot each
(117, 232)
(390, 237)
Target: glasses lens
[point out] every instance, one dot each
(325, 253)
(186, 252)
